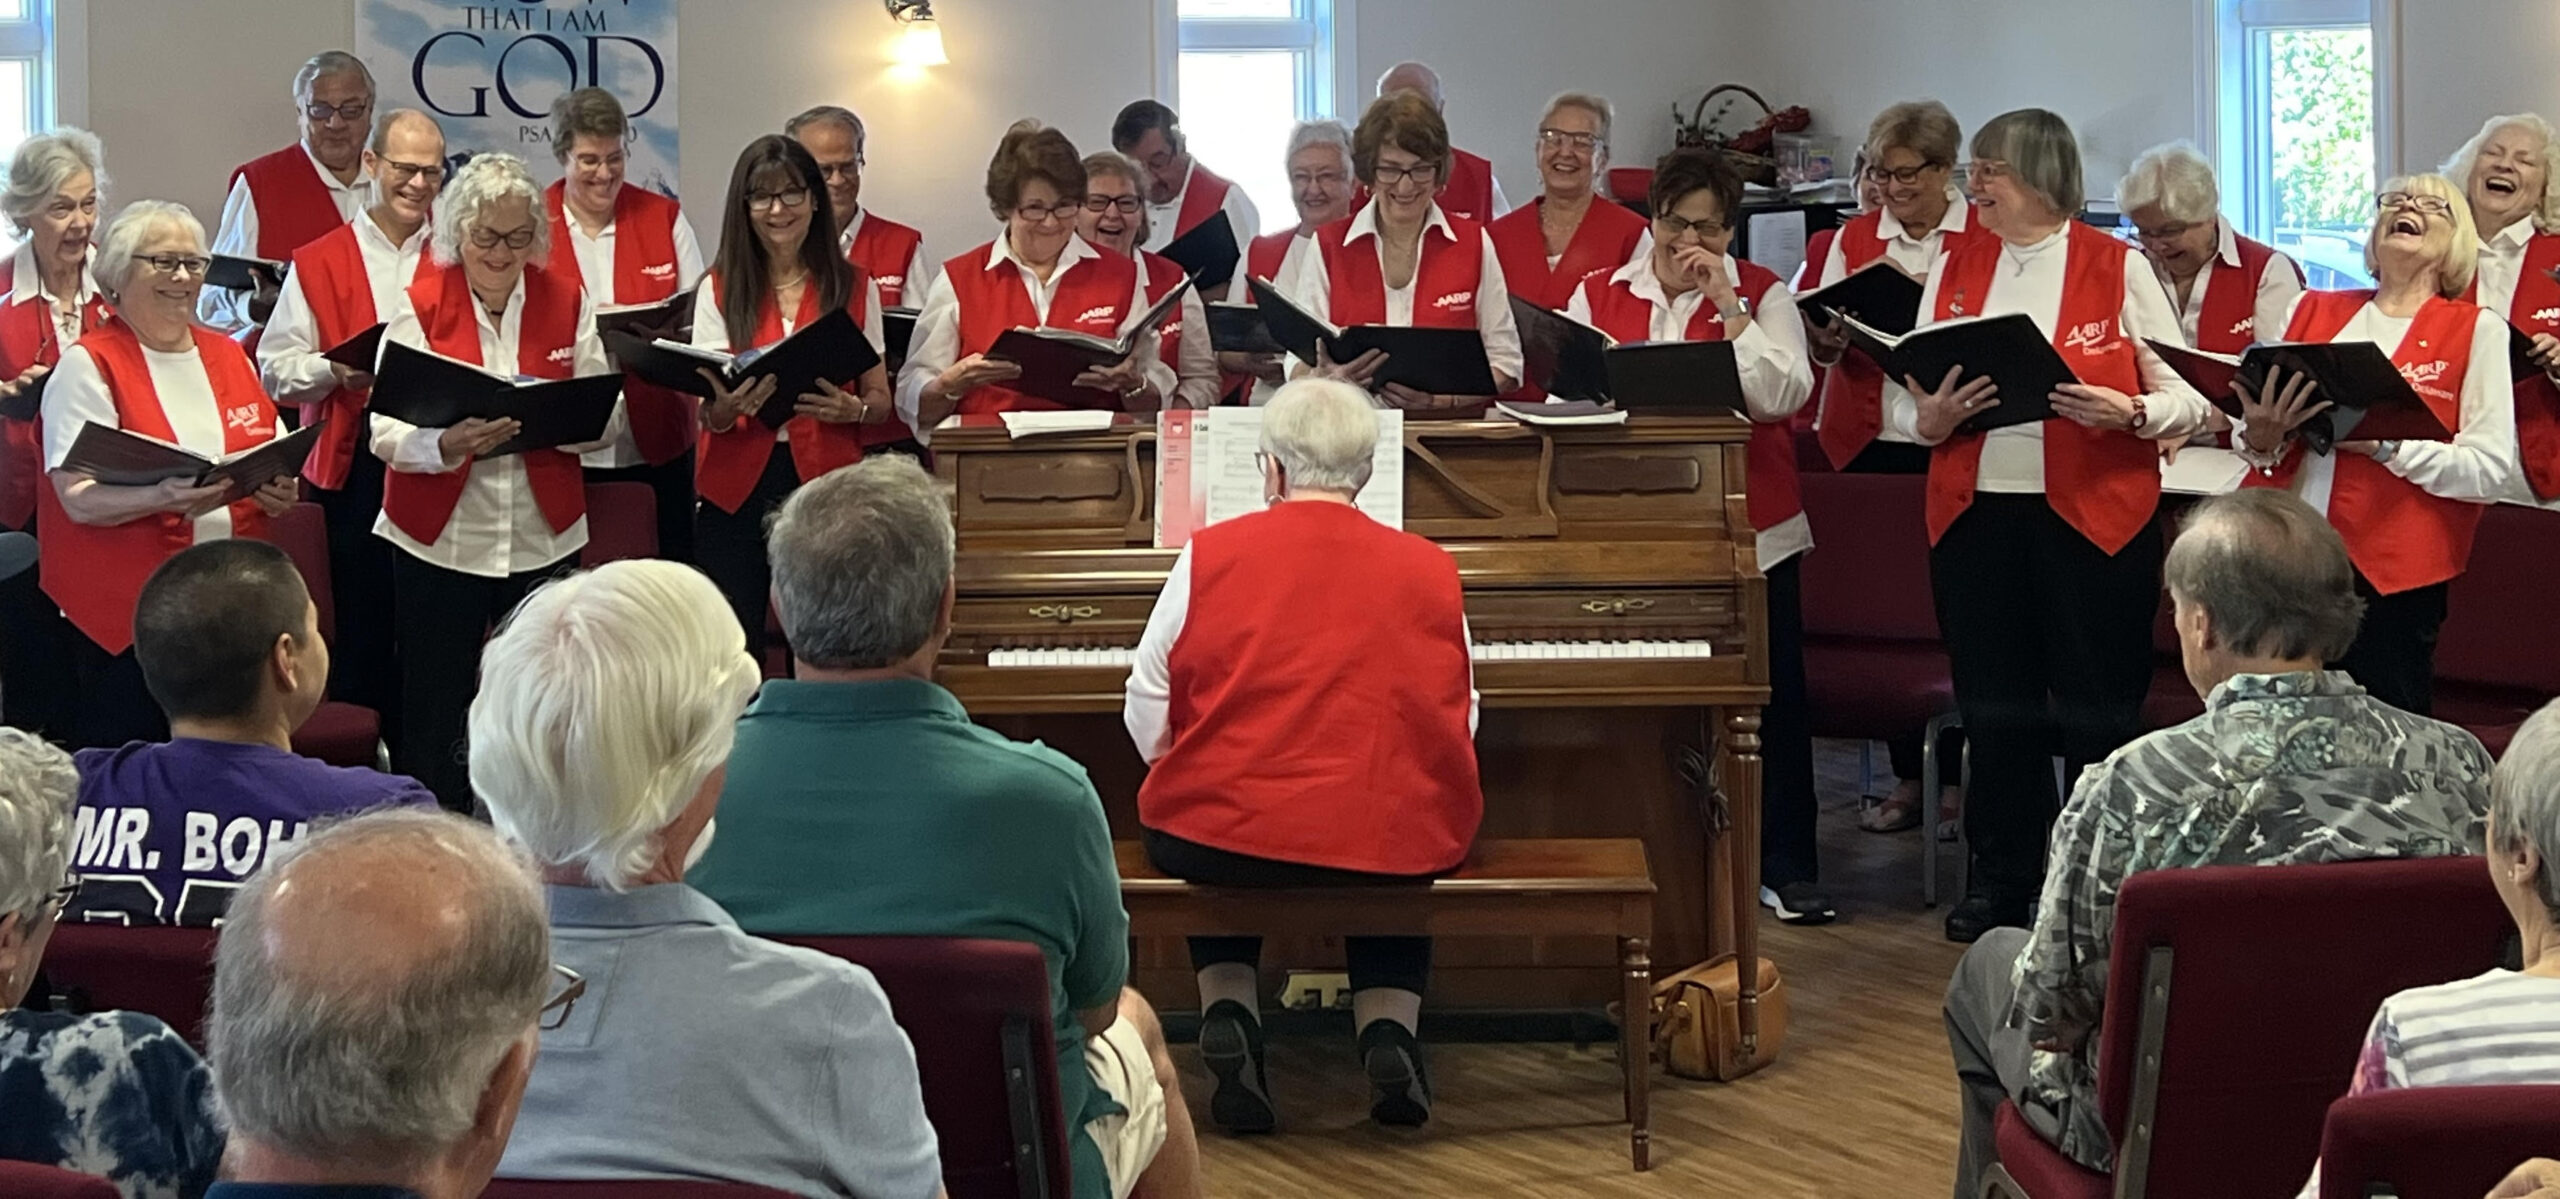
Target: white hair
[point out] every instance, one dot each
(1324, 432)
(2174, 178)
(1319, 133)
(43, 164)
(2524, 798)
(483, 181)
(829, 114)
(125, 236)
(605, 701)
(2546, 213)
(38, 789)
(324, 64)
(1597, 106)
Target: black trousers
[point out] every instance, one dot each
(1904, 753)
(37, 691)
(1787, 850)
(1402, 963)
(673, 484)
(2049, 639)
(113, 704)
(1883, 457)
(364, 659)
(447, 618)
(2394, 654)
(729, 546)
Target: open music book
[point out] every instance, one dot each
(1052, 358)
(670, 318)
(431, 391)
(1240, 329)
(360, 351)
(831, 347)
(2018, 357)
(1878, 293)
(1436, 361)
(1206, 472)
(240, 273)
(1574, 361)
(123, 458)
(2368, 396)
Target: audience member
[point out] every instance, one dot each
(230, 646)
(2536, 1179)
(607, 708)
(862, 800)
(375, 995)
(115, 1094)
(2289, 764)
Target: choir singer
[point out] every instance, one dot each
(1116, 219)
(2510, 176)
(2176, 210)
(286, 199)
(1320, 182)
(891, 253)
(1570, 232)
(1182, 195)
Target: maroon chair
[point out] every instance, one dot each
(159, 970)
(622, 522)
(26, 1180)
(2237, 1001)
(2496, 660)
(679, 1188)
(986, 1053)
(340, 734)
(2435, 1142)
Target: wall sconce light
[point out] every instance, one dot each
(919, 41)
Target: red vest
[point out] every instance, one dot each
(546, 348)
(27, 338)
(1774, 496)
(294, 205)
(96, 572)
(2103, 483)
(1163, 275)
(1319, 708)
(644, 271)
(1469, 194)
(726, 469)
(1602, 243)
(1262, 259)
(2535, 308)
(1852, 392)
(1093, 298)
(883, 250)
(1204, 195)
(2227, 320)
(340, 293)
(2399, 536)
(1444, 283)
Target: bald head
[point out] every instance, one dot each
(1412, 77)
(405, 131)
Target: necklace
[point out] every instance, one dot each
(796, 280)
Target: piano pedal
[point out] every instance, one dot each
(1307, 991)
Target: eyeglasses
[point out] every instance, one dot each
(2168, 232)
(597, 162)
(1556, 138)
(1990, 168)
(1673, 226)
(555, 1010)
(1128, 205)
(490, 239)
(403, 172)
(2423, 205)
(353, 112)
(174, 265)
(832, 171)
(1420, 173)
(1905, 176)
(797, 197)
(1063, 210)
(58, 899)
(1316, 179)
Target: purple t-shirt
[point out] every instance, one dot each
(166, 831)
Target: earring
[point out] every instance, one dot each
(1271, 499)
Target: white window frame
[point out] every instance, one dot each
(2232, 100)
(31, 38)
(1327, 82)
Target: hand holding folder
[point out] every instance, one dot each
(122, 458)
(428, 390)
(1449, 362)
(2015, 364)
(831, 348)
(1079, 370)
(2324, 391)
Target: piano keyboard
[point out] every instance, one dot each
(1482, 651)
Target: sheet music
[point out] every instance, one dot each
(2203, 470)
(1777, 241)
(1217, 462)
(1027, 423)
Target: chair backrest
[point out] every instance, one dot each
(303, 534)
(986, 1053)
(622, 522)
(26, 1180)
(2434, 1142)
(2495, 633)
(1870, 576)
(2252, 987)
(525, 1188)
(159, 970)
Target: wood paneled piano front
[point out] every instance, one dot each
(1618, 613)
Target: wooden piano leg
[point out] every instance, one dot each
(1635, 1047)
(1741, 760)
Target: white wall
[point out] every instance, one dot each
(2496, 58)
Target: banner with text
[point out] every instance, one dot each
(488, 72)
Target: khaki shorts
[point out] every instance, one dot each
(1119, 1064)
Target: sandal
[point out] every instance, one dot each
(1890, 814)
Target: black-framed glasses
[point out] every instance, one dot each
(490, 239)
(352, 112)
(797, 197)
(1672, 226)
(1905, 176)
(403, 172)
(1128, 205)
(2414, 202)
(59, 899)
(1262, 462)
(1565, 138)
(174, 265)
(1419, 173)
(2169, 232)
(555, 1010)
(832, 171)
(1063, 210)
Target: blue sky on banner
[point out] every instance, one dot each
(480, 68)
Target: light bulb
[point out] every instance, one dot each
(919, 44)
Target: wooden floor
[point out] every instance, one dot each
(1862, 1103)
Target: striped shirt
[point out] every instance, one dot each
(2497, 1030)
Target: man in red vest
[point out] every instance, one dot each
(285, 200)
(1473, 192)
(1181, 194)
(891, 253)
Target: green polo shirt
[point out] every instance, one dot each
(858, 809)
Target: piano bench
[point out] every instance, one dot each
(1508, 888)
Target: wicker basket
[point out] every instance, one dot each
(1754, 168)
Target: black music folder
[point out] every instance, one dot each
(1560, 355)
(1208, 253)
(1052, 358)
(240, 273)
(431, 391)
(898, 329)
(29, 401)
(1676, 376)
(1437, 361)
(831, 347)
(127, 459)
(1240, 329)
(2020, 360)
(360, 351)
(670, 318)
(1878, 293)
(2368, 397)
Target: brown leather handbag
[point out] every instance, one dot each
(1697, 1020)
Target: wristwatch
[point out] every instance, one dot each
(2385, 451)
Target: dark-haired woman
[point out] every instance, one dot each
(768, 278)
(1038, 274)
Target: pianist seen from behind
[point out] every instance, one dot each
(1318, 731)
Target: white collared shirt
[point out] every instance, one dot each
(226, 311)
(1917, 256)
(27, 283)
(594, 255)
(1196, 376)
(919, 271)
(77, 395)
(935, 345)
(1243, 219)
(1304, 279)
(497, 528)
(2030, 279)
(2502, 265)
(2277, 286)
(2481, 464)
(289, 361)
(711, 332)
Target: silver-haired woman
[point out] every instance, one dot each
(474, 536)
(116, 1094)
(2043, 552)
(2509, 173)
(1555, 243)
(2176, 208)
(155, 373)
(601, 739)
(1319, 732)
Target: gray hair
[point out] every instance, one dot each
(483, 181)
(390, 121)
(1319, 133)
(125, 235)
(38, 789)
(861, 561)
(1113, 162)
(2546, 213)
(829, 114)
(605, 701)
(2524, 798)
(2270, 573)
(1323, 432)
(586, 112)
(2174, 178)
(382, 1060)
(327, 63)
(1924, 127)
(2038, 146)
(43, 164)
(1597, 106)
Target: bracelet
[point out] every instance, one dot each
(2385, 451)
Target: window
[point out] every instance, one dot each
(1242, 73)
(2300, 148)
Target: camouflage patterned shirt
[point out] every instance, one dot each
(2280, 769)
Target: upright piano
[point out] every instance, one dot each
(1619, 618)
